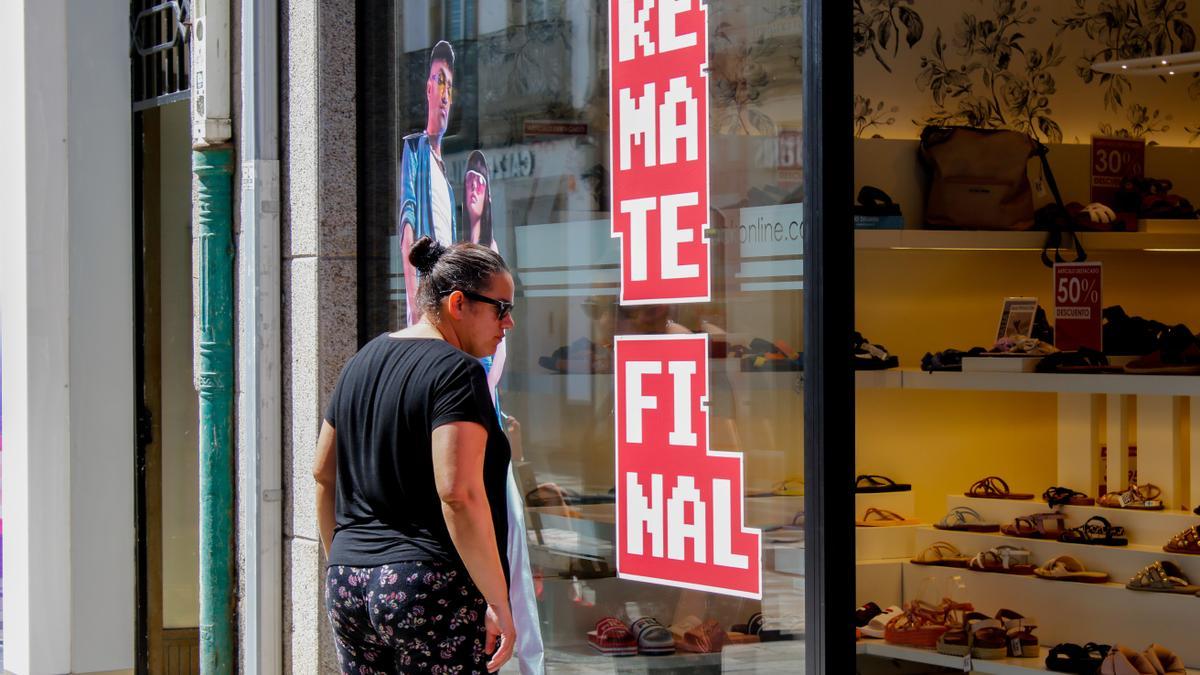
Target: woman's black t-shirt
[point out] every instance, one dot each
(388, 400)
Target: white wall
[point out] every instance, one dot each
(68, 336)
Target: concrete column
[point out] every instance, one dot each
(67, 262)
(320, 319)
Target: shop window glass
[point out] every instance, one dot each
(526, 160)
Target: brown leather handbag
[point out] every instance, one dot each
(979, 177)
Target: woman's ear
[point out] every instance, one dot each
(455, 303)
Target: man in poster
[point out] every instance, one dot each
(426, 196)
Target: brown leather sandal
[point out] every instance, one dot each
(994, 487)
(1187, 542)
(1033, 526)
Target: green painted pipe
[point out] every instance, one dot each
(214, 171)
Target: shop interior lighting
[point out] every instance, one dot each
(1184, 62)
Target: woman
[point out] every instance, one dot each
(412, 471)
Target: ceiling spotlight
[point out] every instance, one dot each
(1164, 62)
(1124, 67)
(1170, 72)
(1183, 62)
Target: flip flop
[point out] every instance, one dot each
(965, 519)
(994, 487)
(1066, 568)
(874, 517)
(871, 483)
(943, 554)
(1162, 576)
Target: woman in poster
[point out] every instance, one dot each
(477, 228)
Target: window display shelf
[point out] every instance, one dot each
(930, 657)
(972, 240)
(1152, 385)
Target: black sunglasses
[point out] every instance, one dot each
(503, 307)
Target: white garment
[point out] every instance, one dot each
(530, 652)
(439, 203)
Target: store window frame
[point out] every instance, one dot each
(828, 302)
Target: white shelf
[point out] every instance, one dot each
(974, 240)
(1096, 383)
(1072, 612)
(1051, 383)
(928, 656)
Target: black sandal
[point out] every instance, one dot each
(1058, 496)
(1069, 657)
(868, 483)
(1096, 531)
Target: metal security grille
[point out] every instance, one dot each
(160, 37)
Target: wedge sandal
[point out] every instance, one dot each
(982, 637)
(965, 519)
(1066, 568)
(1122, 660)
(1096, 531)
(920, 625)
(994, 487)
(877, 626)
(1187, 542)
(874, 517)
(1162, 576)
(1033, 526)
(943, 554)
(1138, 497)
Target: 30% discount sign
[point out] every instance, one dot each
(1077, 306)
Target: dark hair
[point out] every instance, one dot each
(477, 162)
(442, 51)
(462, 267)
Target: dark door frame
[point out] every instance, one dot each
(828, 330)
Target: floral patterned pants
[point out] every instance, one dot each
(407, 617)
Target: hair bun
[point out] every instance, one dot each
(425, 254)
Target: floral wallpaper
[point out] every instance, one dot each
(1024, 65)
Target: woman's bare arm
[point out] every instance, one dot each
(325, 473)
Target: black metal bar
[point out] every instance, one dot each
(828, 329)
(142, 637)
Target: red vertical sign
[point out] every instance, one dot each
(658, 88)
(679, 505)
(1077, 303)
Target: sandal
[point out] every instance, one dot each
(965, 519)
(920, 625)
(1164, 660)
(1122, 660)
(877, 626)
(1022, 643)
(706, 638)
(870, 483)
(612, 638)
(1162, 576)
(1187, 542)
(1058, 496)
(1066, 568)
(994, 487)
(943, 554)
(1033, 526)
(1140, 497)
(1096, 531)
(869, 356)
(981, 636)
(1069, 657)
(1082, 360)
(874, 517)
(1002, 560)
(653, 638)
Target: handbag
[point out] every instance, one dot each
(980, 181)
(979, 178)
